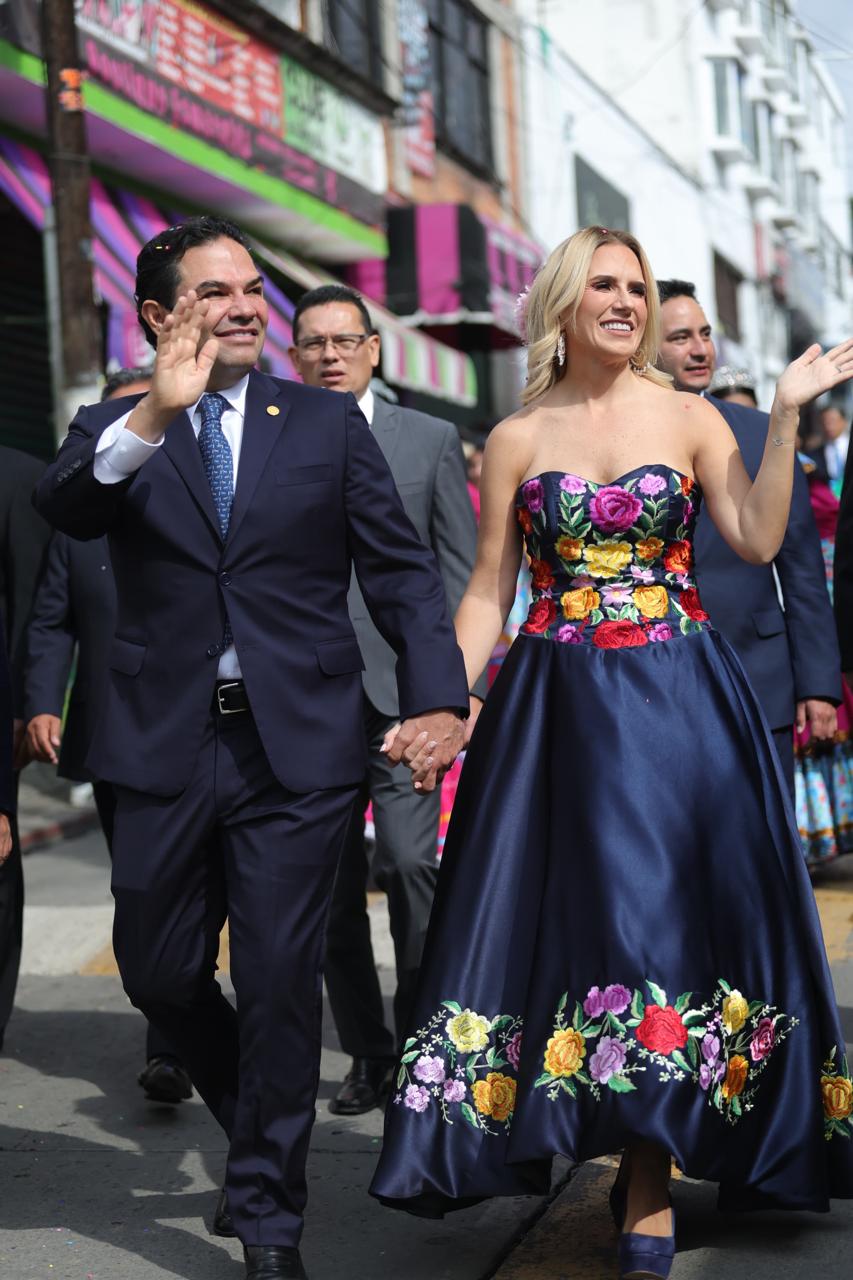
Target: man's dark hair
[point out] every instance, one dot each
(158, 261)
(676, 289)
(326, 293)
(124, 378)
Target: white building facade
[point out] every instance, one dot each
(713, 133)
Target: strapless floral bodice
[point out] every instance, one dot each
(611, 564)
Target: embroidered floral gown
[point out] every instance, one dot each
(624, 942)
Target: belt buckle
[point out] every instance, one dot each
(227, 711)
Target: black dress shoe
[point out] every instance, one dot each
(365, 1087)
(273, 1262)
(165, 1080)
(222, 1224)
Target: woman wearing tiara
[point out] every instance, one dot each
(624, 953)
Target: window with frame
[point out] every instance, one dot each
(727, 280)
(732, 116)
(352, 32)
(459, 63)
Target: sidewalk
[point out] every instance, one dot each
(45, 811)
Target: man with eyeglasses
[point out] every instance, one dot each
(335, 345)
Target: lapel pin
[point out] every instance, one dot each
(273, 410)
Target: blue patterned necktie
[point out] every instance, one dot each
(218, 467)
(216, 456)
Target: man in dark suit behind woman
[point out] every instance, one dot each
(72, 624)
(789, 652)
(236, 505)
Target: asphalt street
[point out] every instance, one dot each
(98, 1184)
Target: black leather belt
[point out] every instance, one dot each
(230, 698)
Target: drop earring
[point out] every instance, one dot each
(561, 349)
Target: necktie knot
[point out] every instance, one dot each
(212, 406)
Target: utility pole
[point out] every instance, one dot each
(68, 162)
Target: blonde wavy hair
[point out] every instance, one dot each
(557, 292)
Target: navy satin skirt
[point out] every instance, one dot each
(624, 945)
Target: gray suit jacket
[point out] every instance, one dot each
(425, 458)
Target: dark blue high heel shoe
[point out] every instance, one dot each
(644, 1257)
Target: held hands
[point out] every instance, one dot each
(428, 744)
(820, 716)
(812, 374)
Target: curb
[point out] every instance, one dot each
(64, 829)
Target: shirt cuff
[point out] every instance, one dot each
(120, 453)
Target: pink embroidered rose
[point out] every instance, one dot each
(608, 1059)
(661, 631)
(534, 495)
(614, 509)
(573, 484)
(763, 1040)
(569, 635)
(513, 1050)
(593, 1006)
(652, 484)
(430, 1070)
(454, 1091)
(417, 1097)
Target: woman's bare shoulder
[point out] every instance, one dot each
(512, 442)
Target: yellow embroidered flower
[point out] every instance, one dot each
(468, 1031)
(580, 602)
(607, 559)
(565, 1053)
(735, 1076)
(653, 602)
(568, 548)
(495, 1096)
(649, 548)
(837, 1096)
(735, 1012)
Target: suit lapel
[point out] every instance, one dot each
(261, 429)
(182, 448)
(385, 426)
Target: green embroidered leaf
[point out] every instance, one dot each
(470, 1115)
(563, 998)
(401, 1076)
(683, 1001)
(616, 1024)
(721, 982)
(502, 1020)
(621, 1084)
(499, 1062)
(411, 1040)
(452, 1006)
(718, 1098)
(568, 1087)
(637, 1006)
(490, 1057)
(735, 1106)
(596, 616)
(695, 1019)
(693, 1052)
(646, 522)
(545, 1078)
(577, 1017)
(410, 1057)
(657, 993)
(582, 1077)
(471, 1074)
(754, 1006)
(591, 1032)
(680, 1061)
(684, 626)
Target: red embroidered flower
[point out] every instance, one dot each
(524, 519)
(692, 605)
(679, 557)
(541, 573)
(662, 1029)
(618, 634)
(542, 614)
(687, 486)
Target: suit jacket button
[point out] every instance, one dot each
(213, 651)
(225, 579)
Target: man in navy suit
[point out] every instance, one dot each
(235, 506)
(788, 650)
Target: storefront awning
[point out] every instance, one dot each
(121, 223)
(409, 359)
(449, 265)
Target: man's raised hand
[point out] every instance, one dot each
(185, 356)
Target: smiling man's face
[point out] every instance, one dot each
(686, 346)
(223, 273)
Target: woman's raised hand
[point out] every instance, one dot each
(813, 373)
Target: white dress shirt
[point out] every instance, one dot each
(120, 453)
(365, 404)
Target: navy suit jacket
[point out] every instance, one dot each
(7, 776)
(791, 653)
(314, 497)
(74, 609)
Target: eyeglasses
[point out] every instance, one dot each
(345, 344)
